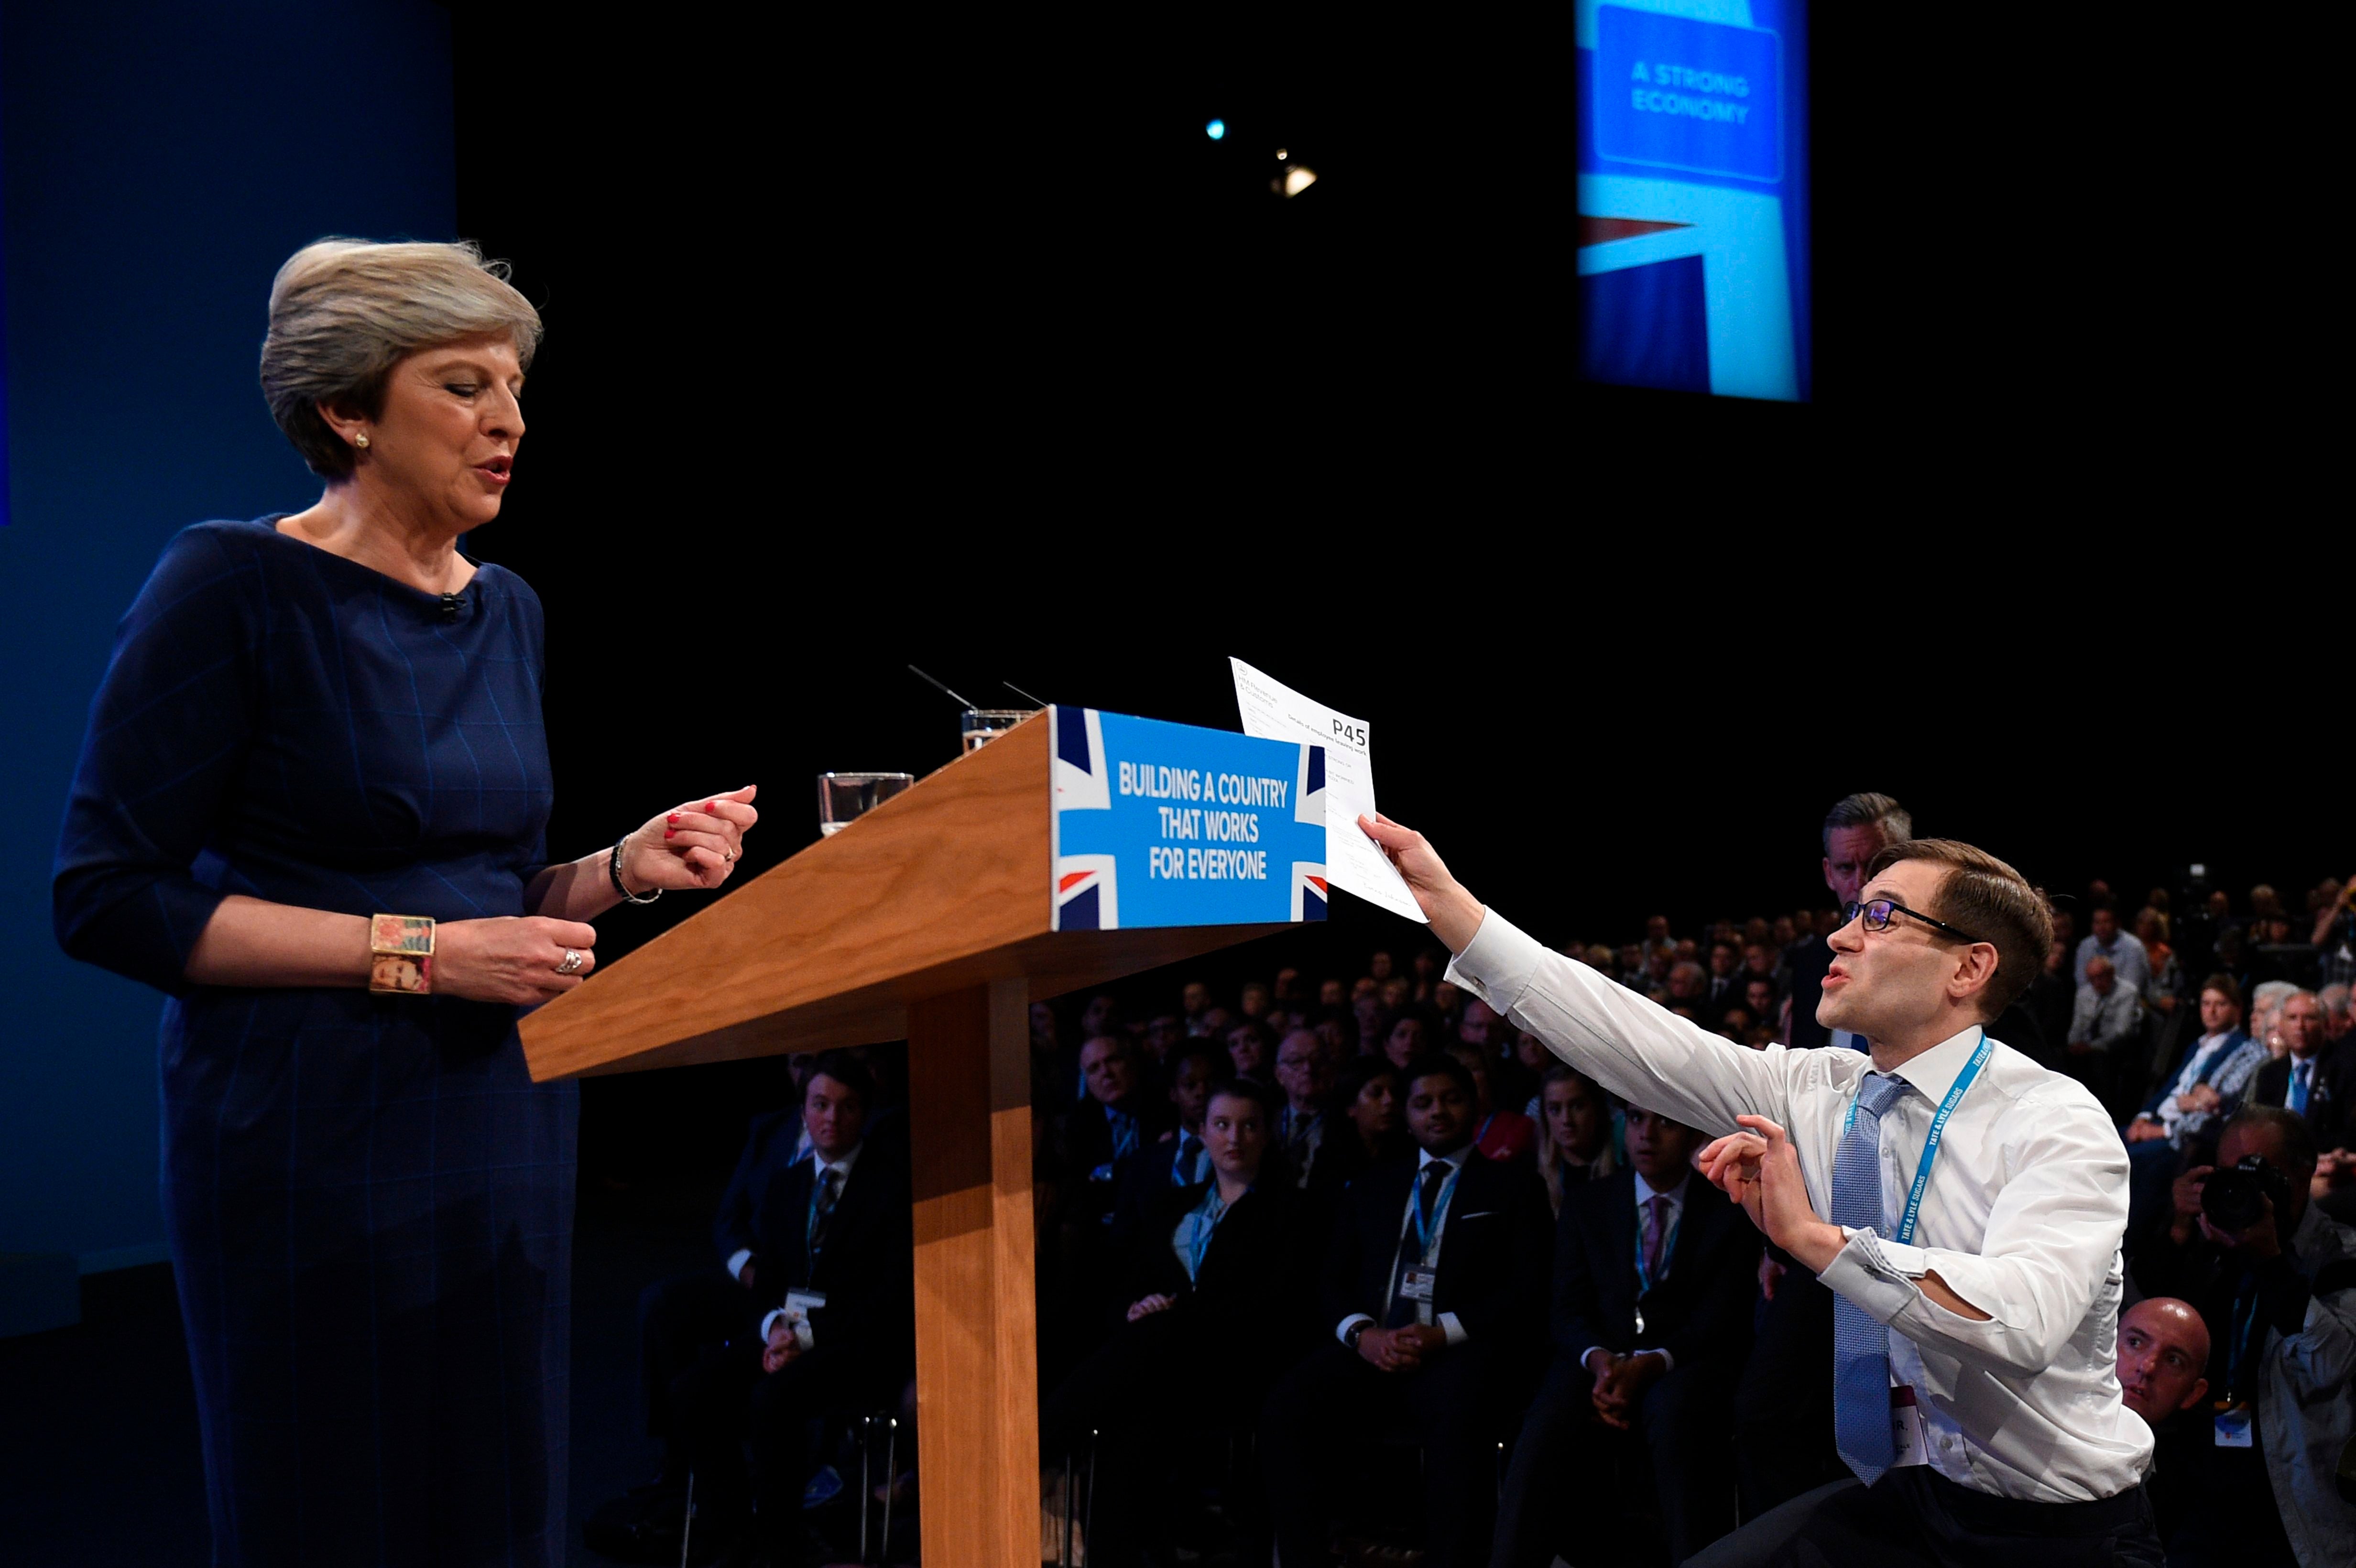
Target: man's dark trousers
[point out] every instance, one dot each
(1562, 1483)
(1916, 1517)
(1313, 1419)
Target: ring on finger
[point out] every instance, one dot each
(570, 963)
(727, 856)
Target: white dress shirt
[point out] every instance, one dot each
(2022, 1216)
(1646, 1193)
(841, 1167)
(1448, 1326)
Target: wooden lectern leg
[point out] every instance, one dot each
(977, 1318)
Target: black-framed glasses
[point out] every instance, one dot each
(1878, 916)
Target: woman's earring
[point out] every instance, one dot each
(361, 441)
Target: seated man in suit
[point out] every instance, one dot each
(836, 1276)
(2207, 1087)
(1108, 1128)
(1652, 1280)
(2315, 1080)
(1433, 1295)
(1302, 1122)
(683, 1317)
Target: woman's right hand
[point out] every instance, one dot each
(1147, 1306)
(511, 959)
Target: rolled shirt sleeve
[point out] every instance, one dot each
(2053, 1235)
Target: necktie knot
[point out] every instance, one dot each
(1877, 1093)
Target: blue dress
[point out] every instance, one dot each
(369, 1202)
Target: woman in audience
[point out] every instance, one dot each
(1578, 1146)
(1218, 1303)
(1498, 1134)
(1406, 1040)
(1367, 1096)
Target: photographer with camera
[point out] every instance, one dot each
(2274, 1280)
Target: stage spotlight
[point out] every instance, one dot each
(1294, 180)
(1215, 129)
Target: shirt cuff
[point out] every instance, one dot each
(1668, 1362)
(801, 1328)
(1342, 1329)
(1453, 1328)
(736, 1262)
(1497, 964)
(1877, 1275)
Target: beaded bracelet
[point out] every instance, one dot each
(613, 869)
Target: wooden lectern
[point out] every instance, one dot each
(929, 919)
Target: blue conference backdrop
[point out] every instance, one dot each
(1162, 824)
(1693, 195)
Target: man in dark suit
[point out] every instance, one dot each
(1433, 1296)
(683, 1316)
(1652, 1278)
(1179, 1157)
(2316, 1080)
(836, 1274)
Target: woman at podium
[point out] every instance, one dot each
(310, 809)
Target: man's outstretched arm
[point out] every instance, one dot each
(1641, 1052)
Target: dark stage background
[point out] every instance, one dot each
(871, 342)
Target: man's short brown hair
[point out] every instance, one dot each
(1995, 904)
(2226, 987)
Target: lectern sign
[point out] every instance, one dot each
(1168, 824)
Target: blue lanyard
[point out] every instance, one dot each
(1425, 1233)
(1668, 1250)
(1905, 1236)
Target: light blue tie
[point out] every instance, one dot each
(1861, 1344)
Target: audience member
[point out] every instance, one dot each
(1855, 830)
(1433, 1291)
(1302, 1122)
(2317, 1084)
(1497, 1133)
(1577, 1147)
(2108, 1017)
(1367, 1097)
(1217, 1302)
(835, 1273)
(1405, 1041)
(2208, 1086)
(1248, 1047)
(1179, 1158)
(1107, 1127)
(2163, 1353)
(1652, 1281)
(2274, 1282)
(2103, 939)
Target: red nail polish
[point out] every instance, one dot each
(711, 806)
(670, 832)
(673, 817)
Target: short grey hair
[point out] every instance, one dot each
(1868, 809)
(2297, 1138)
(343, 312)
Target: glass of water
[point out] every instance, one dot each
(842, 798)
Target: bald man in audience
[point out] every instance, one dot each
(2163, 1357)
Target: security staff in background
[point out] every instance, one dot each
(1964, 1204)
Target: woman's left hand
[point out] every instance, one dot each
(692, 846)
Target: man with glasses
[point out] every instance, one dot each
(1964, 1204)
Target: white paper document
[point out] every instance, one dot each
(1274, 711)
